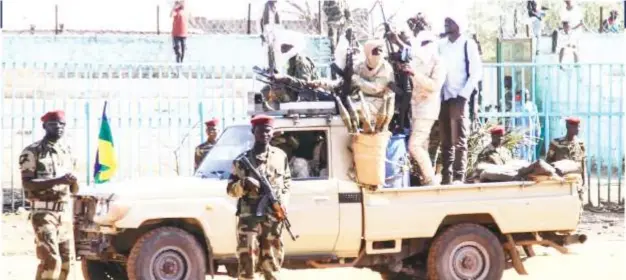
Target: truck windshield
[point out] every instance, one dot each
(218, 163)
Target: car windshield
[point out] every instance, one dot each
(218, 163)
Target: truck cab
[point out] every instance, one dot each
(185, 227)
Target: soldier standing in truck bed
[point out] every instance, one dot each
(47, 168)
(259, 244)
(203, 149)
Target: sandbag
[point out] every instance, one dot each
(370, 154)
(499, 173)
(538, 168)
(566, 166)
(396, 167)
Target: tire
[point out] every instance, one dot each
(466, 251)
(167, 253)
(96, 270)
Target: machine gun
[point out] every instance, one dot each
(404, 84)
(268, 199)
(303, 93)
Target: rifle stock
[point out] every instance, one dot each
(268, 199)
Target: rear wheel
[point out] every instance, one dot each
(466, 251)
(167, 253)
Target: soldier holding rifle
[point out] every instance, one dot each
(259, 242)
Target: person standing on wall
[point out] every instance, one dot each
(180, 19)
(464, 66)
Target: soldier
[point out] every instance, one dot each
(495, 153)
(299, 166)
(47, 168)
(260, 232)
(203, 149)
(373, 78)
(428, 77)
(569, 147)
(300, 69)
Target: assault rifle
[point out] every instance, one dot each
(303, 93)
(268, 199)
(404, 88)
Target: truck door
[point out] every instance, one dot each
(313, 206)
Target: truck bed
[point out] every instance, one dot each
(515, 207)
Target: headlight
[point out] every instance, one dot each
(108, 213)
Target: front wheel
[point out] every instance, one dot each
(466, 251)
(167, 253)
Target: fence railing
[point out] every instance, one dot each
(156, 119)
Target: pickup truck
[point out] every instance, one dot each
(185, 227)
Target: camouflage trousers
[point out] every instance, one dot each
(259, 247)
(418, 145)
(52, 238)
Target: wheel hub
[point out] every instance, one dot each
(169, 265)
(469, 260)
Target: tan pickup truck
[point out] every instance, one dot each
(184, 227)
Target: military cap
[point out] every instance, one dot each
(497, 130)
(211, 122)
(262, 120)
(57, 115)
(572, 120)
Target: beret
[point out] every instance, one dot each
(262, 120)
(211, 122)
(57, 115)
(497, 130)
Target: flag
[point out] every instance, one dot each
(106, 163)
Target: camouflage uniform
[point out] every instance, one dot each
(299, 166)
(260, 232)
(52, 222)
(201, 151)
(494, 155)
(301, 70)
(562, 149)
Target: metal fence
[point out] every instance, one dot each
(156, 112)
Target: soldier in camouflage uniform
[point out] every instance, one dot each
(300, 69)
(203, 149)
(569, 147)
(495, 153)
(259, 245)
(47, 168)
(299, 166)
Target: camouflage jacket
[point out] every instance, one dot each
(493, 155)
(200, 153)
(46, 160)
(302, 67)
(561, 149)
(272, 162)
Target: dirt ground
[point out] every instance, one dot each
(602, 257)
